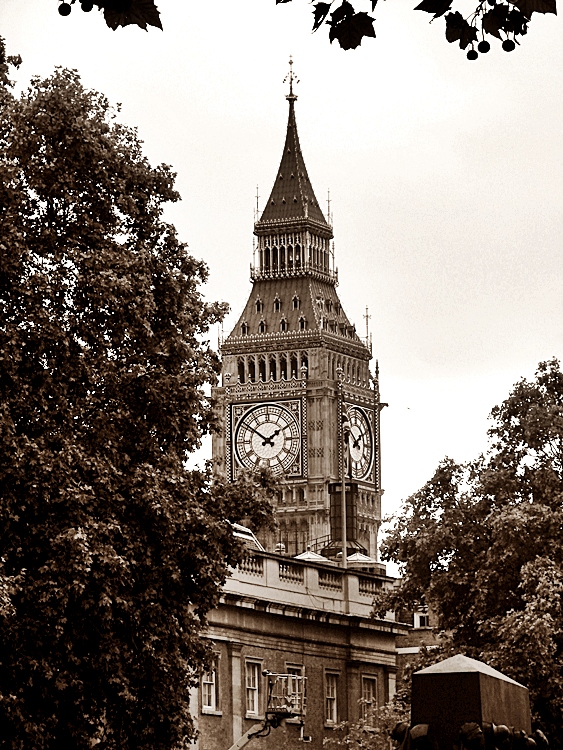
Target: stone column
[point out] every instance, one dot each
(237, 696)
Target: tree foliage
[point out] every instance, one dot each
(372, 731)
(508, 22)
(482, 544)
(111, 551)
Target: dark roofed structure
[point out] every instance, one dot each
(292, 198)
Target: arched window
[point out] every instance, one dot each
(240, 368)
(262, 327)
(283, 325)
(251, 370)
(283, 366)
(273, 368)
(259, 305)
(244, 329)
(277, 304)
(262, 369)
(294, 373)
(296, 302)
(302, 323)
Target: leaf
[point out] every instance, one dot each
(373, 4)
(130, 12)
(321, 12)
(457, 28)
(341, 13)
(516, 22)
(468, 35)
(454, 25)
(437, 7)
(536, 6)
(348, 27)
(495, 19)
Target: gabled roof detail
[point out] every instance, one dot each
(328, 325)
(292, 197)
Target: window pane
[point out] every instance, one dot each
(331, 682)
(252, 687)
(369, 695)
(209, 688)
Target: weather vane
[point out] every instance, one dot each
(291, 77)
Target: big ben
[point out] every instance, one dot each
(294, 370)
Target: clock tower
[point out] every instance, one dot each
(297, 394)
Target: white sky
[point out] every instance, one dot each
(445, 176)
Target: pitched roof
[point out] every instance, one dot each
(462, 663)
(317, 301)
(292, 197)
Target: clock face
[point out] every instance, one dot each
(268, 435)
(361, 442)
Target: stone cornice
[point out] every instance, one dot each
(292, 225)
(317, 615)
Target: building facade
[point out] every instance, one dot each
(294, 369)
(299, 617)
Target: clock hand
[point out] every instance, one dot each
(265, 440)
(356, 442)
(270, 439)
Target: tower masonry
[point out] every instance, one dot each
(295, 370)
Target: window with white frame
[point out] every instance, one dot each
(369, 695)
(253, 670)
(210, 688)
(331, 698)
(392, 684)
(421, 618)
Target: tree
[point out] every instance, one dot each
(506, 21)
(373, 730)
(111, 551)
(482, 544)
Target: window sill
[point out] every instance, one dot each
(211, 712)
(254, 717)
(331, 724)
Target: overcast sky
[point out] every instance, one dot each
(445, 177)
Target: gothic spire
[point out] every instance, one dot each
(292, 198)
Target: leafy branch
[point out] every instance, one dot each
(118, 13)
(505, 21)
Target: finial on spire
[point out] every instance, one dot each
(256, 208)
(291, 77)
